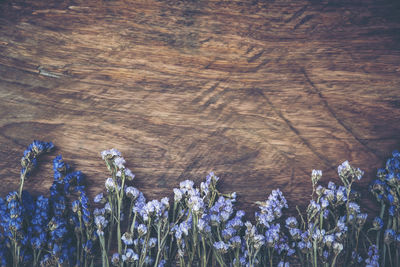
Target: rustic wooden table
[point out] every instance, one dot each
(260, 92)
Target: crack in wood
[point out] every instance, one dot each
(333, 114)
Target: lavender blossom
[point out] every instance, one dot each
(127, 238)
(132, 192)
(99, 198)
(221, 247)
(130, 256)
(373, 257)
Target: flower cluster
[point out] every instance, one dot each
(386, 189)
(201, 228)
(333, 222)
(41, 230)
(29, 159)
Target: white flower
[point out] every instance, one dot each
(337, 247)
(177, 194)
(187, 184)
(128, 174)
(110, 153)
(119, 162)
(316, 176)
(100, 222)
(165, 202)
(107, 207)
(110, 184)
(130, 256)
(142, 229)
(115, 259)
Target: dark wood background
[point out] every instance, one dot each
(260, 92)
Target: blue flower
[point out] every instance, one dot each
(127, 238)
(60, 168)
(390, 198)
(283, 264)
(29, 161)
(130, 256)
(373, 256)
(228, 233)
(291, 222)
(59, 205)
(98, 198)
(354, 207)
(115, 259)
(389, 236)
(392, 210)
(88, 246)
(235, 241)
(221, 247)
(236, 222)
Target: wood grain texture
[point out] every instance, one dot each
(260, 92)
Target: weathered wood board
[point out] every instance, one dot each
(260, 92)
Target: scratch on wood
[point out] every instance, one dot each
(297, 14)
(44, 72)
(303, 20)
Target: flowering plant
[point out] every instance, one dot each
(200, 227)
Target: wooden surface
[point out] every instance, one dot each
(260, 92)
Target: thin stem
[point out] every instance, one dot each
(315, 253)
(21, 185)
(390, 255)
(334, 261)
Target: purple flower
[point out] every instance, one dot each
(119, 162)
(228, 233)
(283, 264)
(389, 236)
(127, 238)
(235, 241)
(115, 259)
(152, 242)
(130, 256)
(98, 198)
(291, 222)
(132, 192)
(354, 207)
(221, 247)
(373, 257)
(295, 233)
(344, 168)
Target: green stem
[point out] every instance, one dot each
(334, 261)
(103, 252)
(315, 253)
(120, 196)
(270, 257)
(158, 245)
(390, 256)
(204, 263)
(384, 255)
(379, 231)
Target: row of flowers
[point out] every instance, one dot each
(199, 227)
